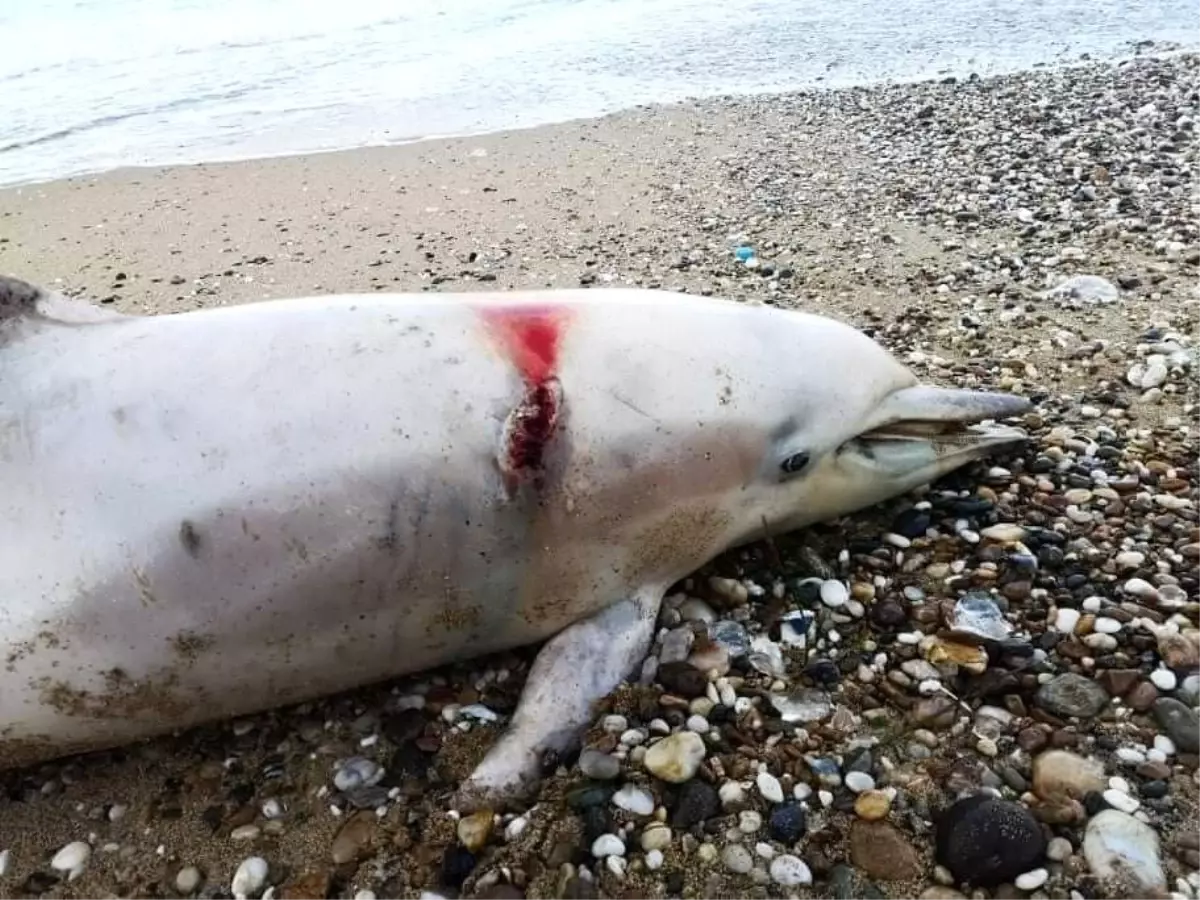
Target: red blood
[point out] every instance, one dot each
(530, 337)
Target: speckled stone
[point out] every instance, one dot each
(987, 841)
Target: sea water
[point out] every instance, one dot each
(88, 85)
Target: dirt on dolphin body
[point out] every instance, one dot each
(934, 216)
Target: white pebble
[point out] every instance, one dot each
(1092, 604)
(769, 787)
(249, 878)
(1164, 679)
(1058, 849)
(1165, 744)
(72, 858)
(1105, 625)
(634, 799)
(1120, 800)
(654, 860)
(788, 871)
(737, 859)
(1066, 619)
(608, 845)
(5, 862)
(364, 895)
(859, 782)
(1031, 881)
(1130, 757)
(515, 828)
(834, 593)
(187, 880)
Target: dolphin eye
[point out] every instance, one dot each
(794, 463)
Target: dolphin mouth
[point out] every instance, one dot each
(957, 434)
(920, 431)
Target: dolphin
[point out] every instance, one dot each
(216, 512)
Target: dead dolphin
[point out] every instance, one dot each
(215, 512)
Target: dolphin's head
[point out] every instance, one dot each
(852, 427)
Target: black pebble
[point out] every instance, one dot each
(1094, 803)
(824, 671)
(456, 866)
(596, 821)
(912, 523)
(984, 841)
(1155, 789)
(787, 823)
(695, 802)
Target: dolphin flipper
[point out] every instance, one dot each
(576, 668)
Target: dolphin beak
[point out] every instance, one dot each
(931, 429)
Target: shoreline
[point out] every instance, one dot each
(1155, 49)
(938, 218)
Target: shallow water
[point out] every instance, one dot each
(87, 85)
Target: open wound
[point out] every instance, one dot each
(528, 431)
(529, 337)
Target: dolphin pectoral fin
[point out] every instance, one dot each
(21, 301)
(575, 669)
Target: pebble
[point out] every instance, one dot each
(656, 836)
(598, 765)
(5, 862)
(872, 805)
(475, 829)
(1181, 723)
(1061, 773)
(72, 858)
(634, 799)
(883, 852)
(249, 878)
(834, 594)
(986, 840)
(1115, 844)
(737, 859)
(1120, 800)
(790, 871)
(676, 758)
(358, 771)
(769, 787)
(1072, 695)
(859, 782)
(1164, 679)
(187, 880)
(1031, 880)
(787, 822)
(608, 845)
(1058, 849)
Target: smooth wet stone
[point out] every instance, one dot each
(1118, 846)
(677, 757)
(880, 850)
(986, 841)
(1061, 773)
(1072, 695)
(1180, 722)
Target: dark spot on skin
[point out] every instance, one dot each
(190, 538)
(189, 645)
(391, 538)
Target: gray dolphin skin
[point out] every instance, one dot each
(217, 512)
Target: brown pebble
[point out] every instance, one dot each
(1180, 651)
(1154, 771)
(1033, 738)
(1142, 697)
(938, 711)
(883, 852)
(1060, 811)
(1117, 682)
(308, 885)
(354, 838)
(1188, 840)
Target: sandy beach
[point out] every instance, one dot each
(952, 220)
